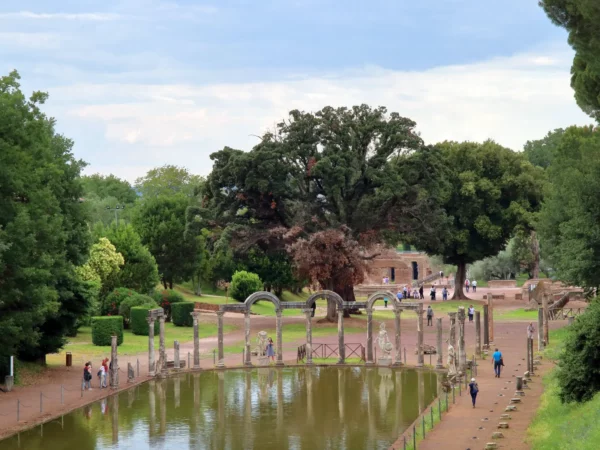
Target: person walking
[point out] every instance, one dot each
(498, 362)
(385, 301)
(474, 285)
(429, 316)
(87, 377)
(399, 295)
(471, 313)
(467, 284)
(432, 293)
(104, 372)
(314, 309)
(473, 390)
(271, 350)
(444, 293)
(421, 292)
(530, 330)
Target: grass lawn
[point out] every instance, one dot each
(82, 348)
(516, 314)
(556, 425)
(438, 308)
(296, 332)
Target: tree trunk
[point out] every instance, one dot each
(535, 249)
(164, 283)
(198, 287)
(459, 281)
(170, 284)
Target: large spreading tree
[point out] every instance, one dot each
(493, 190)
(357, 171)
(43, 230)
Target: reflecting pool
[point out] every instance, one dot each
(262, 408)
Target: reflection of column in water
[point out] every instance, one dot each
(398, 392)
(196, 392)
(385, 388)
(177, 389)
(309, 395)
(115, 418)
(221, 399)
(130, 398)
(248, 400)
(162, 405)
(152, 404)
(279, 400)
(370, 389)
(421, 382)
(263, 383)
(341, 406)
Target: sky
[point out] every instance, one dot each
(142, 83)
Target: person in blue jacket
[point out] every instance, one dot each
(498, 362)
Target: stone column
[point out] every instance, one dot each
(369, 336)
(398, 330)
(452, 316)
(477, 333)
(462, 353)
(540, 329)
(114, 373)
(440, 358)
(308, 315)
(220, 356)
(162, 354)
(486, 328)
(491, 317)
(528, 355)
(546, 316)
(341, 345)
(176, 362)
(421, 356)
(247, 351)
(151, 363)
(196, 318)
(279, 338)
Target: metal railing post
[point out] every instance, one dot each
(414, 437)
(440, 407)
(18, 409)
(62, 394)
(41, 404)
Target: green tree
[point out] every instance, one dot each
(43, 231)
(244, 284)
(103, 210)
(139, 271)
(493, 190)
(357, 168)
(104, 265)
(581, 19)
(167, 181)
(160, 222)
(569, 222)
(541, 152)
(103, 186)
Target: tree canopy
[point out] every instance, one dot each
(493, 190)
(104, 186)
(581, 19)
(166, 181)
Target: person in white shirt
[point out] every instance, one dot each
(530, 330)
(471, 313)
(474, 285)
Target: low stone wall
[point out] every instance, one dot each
(494, 296)
(199, 306)
(502, 284)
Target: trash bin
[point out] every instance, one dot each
(69, 359)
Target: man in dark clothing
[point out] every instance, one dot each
(421, 292)
(314, 308)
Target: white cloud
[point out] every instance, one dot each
(41, 41)
(98, 17)
(510, 100)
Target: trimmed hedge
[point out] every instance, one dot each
(130, 302)
(165, 299)
(103, 328)
(181, 314)
(112, 302)
(138, 320)
(243, 284)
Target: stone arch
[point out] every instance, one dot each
(262, 295)
(329, 295)
(380, 295)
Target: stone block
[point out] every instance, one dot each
(537, 362)
(491, 446)
(497, 435)
(515, 400)
(520, 394)
(384, 361)
(510, 408)
(263, 360)
(505, 416)
(503, 425)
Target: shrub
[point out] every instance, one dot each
(139, 322)
(165, 299)
(579, 368)
(134, 300)
(112, 303)
(181, 314)
(104, 327)
(243, 284)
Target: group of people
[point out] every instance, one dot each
(498, 363)
(102, 374)
(470, 284)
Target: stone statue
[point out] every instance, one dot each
(452, 372)
(261, 343)
(384, 343)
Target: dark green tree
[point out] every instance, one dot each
(581, 19)
(43, 231)
(103, 186)
(160, 222)
(541, 152)
(357, 168)
(569, 222)
(168, 181)
(140, 271)
(493, 190)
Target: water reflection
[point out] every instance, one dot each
(265, 408)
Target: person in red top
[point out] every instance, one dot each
(104, 372)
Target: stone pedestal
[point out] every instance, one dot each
(384, 361)
(570, 320)
(151, 356)
(440, 360)
(9, 382)
(114, 379)
(196, 318)
(176, 363)
(130, 373)
(263, 360)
